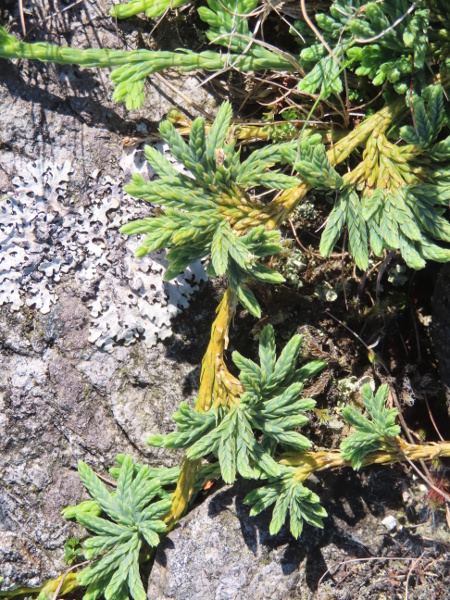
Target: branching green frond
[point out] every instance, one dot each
(131, 518)
(271, 405)
(217, 134)
(88, 506)
(274, 179)
(389, 57)
(194, 224)
(262, 243)
(284, 369)
(192, 426)
(357, 231)
(255, 169)
(323, 79)
(428, 113)
(334, 226)
(219, 251)
(162, 167)
(372, 432)
(227, 18)
(197, 141)
(250, 374)
(408, 219)
(287, 494)
(267, 351)
(131, 68)
(388, 42)
(314, 166)
(184, 153)
(163, 475)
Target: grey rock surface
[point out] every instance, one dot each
(83, 372)
(62, 400)
(219, 552)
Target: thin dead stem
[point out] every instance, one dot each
(315, 30)
(22, 18)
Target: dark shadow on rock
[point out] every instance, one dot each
(348, 498)
(192, 327)
(165, 545)
(70, 106)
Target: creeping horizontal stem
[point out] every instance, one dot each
(397, 451)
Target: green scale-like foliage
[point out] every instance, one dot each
(245, 437)
(151, 8)
(194, 223)
(406, 212)
(271, 404)
(387, 42)
(373, 432)
(287, 494)
(228, 22)
(228, 27)
(226, 18)
(125, 522)
(122, 522)
(398, 50)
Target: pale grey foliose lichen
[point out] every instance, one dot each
(46, 236)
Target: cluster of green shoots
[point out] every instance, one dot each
(389, 182)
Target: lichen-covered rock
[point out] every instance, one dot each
(62, 400)
(44, 235)
(63, 168)
(83, 372)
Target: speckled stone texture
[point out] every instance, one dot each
(77, 380)
(219, 552)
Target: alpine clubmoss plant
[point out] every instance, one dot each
(389, 181)
(133, 519)
(389, 200)
(393, 43)
(396, 196)
(256, 438)
(270, 404)
(387, 42)
(203, 205)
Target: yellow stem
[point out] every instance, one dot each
(216, 382)
(216, 385)
(183, 492)
(279, 209)
(69, 585)
(396, 451)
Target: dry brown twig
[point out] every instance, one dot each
(362, 560)
(413, 566)
(22, 18)
(63, 578)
